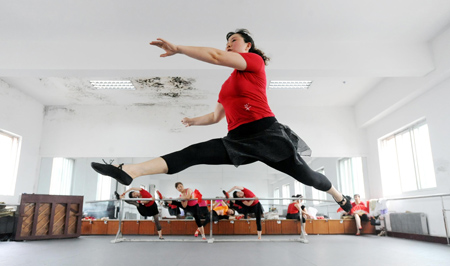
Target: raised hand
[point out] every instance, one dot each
(187, 122)
(170, 48)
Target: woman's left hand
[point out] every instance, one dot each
(170, 48)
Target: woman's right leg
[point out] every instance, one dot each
(211, 152)
(304, 174)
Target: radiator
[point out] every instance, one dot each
(410, 223)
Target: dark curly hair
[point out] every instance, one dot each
(245, 34)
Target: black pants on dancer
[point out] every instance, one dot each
(256, 209)
(194, 210)
(217, 152)
(150, 211)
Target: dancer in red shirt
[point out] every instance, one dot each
(145, 207)
(254, 134)
(248, 206)
(295, 211)
(359, 211)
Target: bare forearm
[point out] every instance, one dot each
(204, 120)
(205, 54)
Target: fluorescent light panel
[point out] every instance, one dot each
(113, 84)
(280, 84)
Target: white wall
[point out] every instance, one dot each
(150, 131)
(22, 115)
(433, 106)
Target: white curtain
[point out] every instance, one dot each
(61, 179)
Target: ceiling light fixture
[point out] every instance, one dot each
(279, 84)
(113, 84)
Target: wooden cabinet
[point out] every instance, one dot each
(112, 226)
(130, 227)
(147, 228)
(336, 227)
(225, 227)
(349, 227)
(273, 227)
(290, 227)
(319, 227)
(99, 228)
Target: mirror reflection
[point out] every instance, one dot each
(74, 176)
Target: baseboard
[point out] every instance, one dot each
(426, 238)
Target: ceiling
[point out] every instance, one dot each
(51, 49)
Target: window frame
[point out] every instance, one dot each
(12, 160)
(353, 179)
(399, 186)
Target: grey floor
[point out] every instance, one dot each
(321, 250)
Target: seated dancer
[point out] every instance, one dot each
(254, 134)
(360, 211)
(249, 206)
(221, 211)
(188, 205)
(145, 207)
(294, 210)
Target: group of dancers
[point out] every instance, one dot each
(189, 202)
(254, 134)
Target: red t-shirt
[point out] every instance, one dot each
(146, 195)
(249, 194)
(292, 209)
(243, 95)
(359, 207)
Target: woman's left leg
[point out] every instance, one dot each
(158, 226)
(358, 223)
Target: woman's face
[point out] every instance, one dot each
(230, 212)
(357, 199)
(240, 194)
(236, 44)
(136, 194)
(180, 187)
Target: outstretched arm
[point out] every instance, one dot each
(235, 187)
(131, 189)
(208, 119)
(205, 54)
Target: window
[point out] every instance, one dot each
(286, 194)
(406, 160)
(103, 187)
(351, 177)
(299, 188)
(276, 194)
(61, 179)
(9, 162)
(317, 194)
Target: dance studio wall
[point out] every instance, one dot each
(433, 106)
(22, 115)
(150, 131)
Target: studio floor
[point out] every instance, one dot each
(321, 250)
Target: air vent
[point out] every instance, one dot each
(280, 84)
(113, 84)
